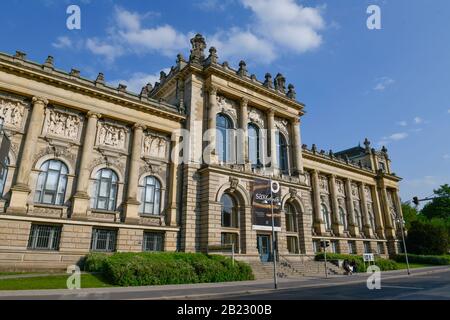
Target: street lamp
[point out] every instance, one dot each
(401, 222)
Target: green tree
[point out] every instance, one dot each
(427, 238)
(439, 207)
(410, 214)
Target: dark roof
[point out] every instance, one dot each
(352, 152)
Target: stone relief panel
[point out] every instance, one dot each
(368, 194)
(355, 191)
(155, 146)
(282, 125)
(14, 112)
(257, 116)
(228, 107)
(62, 124)
(307, 178)
(112, 136)
(323, 184)
(340, 187)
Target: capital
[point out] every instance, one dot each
(91, 114)
(40, 100)
(139, 126)
(244, 102)
(213, 90)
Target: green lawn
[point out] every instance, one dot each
(402, 265)
(52, 282)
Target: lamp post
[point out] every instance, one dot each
(400, 221)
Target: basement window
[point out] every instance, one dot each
(44, 237)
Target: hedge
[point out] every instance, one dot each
(423, 259)
(383, 264)
(141, 269)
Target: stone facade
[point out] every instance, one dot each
(96, 168)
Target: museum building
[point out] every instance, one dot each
(86, 167)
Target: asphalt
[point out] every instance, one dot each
(424, 283)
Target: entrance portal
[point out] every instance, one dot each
(263, 247)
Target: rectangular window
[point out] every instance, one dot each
(380, 248)
(334, 246)
(367, 248)
(103, 240)
(316, 246)
(351, 247)
(230, 238)
(44, 237)
(153, 241)
(292, 245)
(382, 166)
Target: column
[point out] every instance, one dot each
(353, 228)
(338, 227)
(273, 146)
(389, 228)
(243, 153)
(378, 212)
(212, 114)
(173, 187)
(80, 203)
(132, 204)
(319, 224)
(366, 224)
(297, 147)
(21, 190)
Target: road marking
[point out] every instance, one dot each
(400, 287)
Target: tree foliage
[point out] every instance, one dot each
(439, 207)
(427, 238)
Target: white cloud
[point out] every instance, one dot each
(238, 44)
(286, 23)
(109, 51)
(446, 156)
(402, 123)
(383, 83)
(62, 42)
(393, 137)
(448, 110)
(418, 120)
(138, 80)
(213, 5)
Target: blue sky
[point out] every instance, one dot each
(389, 85)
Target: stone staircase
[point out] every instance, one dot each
(287, 268)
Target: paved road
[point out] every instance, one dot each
(434, 286)
(427, 283)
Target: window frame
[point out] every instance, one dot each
(226, 133)
(110, 241)
(35, 236)
(326, 216)
(291, 216)
(257, 143)
(282, 150)
(110, 184)
(4, 167)
(157, 191)
(158, 243)
(234, 215)
(59, 193)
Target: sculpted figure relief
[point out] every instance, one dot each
(12, 112)
(355, 192)
(254, 115)
(227, 105)
(323, 183)
(112, 136)
(62, 124)
(340, 186)
(155, 146)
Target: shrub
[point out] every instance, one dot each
(423, 259)
(383, 264)
(94, 262)
(425, 238)
(139, 269)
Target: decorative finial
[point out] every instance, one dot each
(280, 83)
(198, 48)
(20, 55)
(268, 81)
(162, 76)
(122, 88)
(384, 149)
(213, 58)
(367, 144)
(242, 69)
(253, 77)
(75, 73)
(144, 92)
(314, 148)
(291, 92)
(100, 78)
(49, 62)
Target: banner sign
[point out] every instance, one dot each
(262, 203)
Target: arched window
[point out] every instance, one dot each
(51, 184)
(372, 219)
(326, 217)
(105, 190)
(151, 196)
(3, 175)
(282, 151)
(254, 154)
(343, 218)
(224, 138)
(229, 212)
(291, 225)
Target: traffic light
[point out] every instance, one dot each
(416, 201)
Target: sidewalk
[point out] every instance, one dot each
(208, 290)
